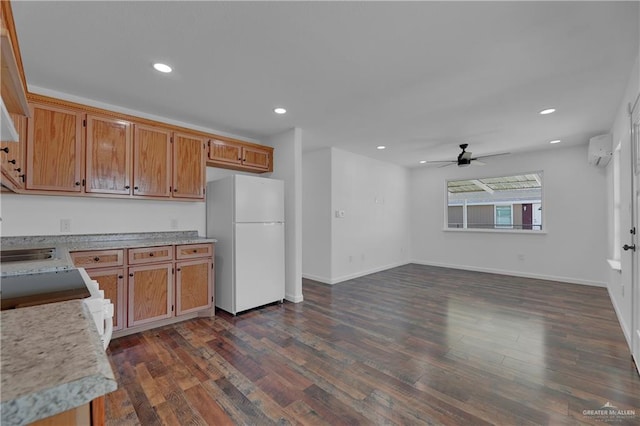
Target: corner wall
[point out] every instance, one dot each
(573, 247)
(372, 235)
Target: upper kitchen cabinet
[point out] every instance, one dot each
(54, 149)
(237, 155)
(108, 155)
(12, 155)
(13, 90)
(151, 161)
(188, 166)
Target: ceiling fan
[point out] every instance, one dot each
(466, 157)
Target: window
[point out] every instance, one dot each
(503, 202)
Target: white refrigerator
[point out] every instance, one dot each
(246, 215)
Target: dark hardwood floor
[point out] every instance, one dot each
(411, 345)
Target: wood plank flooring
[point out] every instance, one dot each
(411, 345)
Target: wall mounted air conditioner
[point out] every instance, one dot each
(599, 153)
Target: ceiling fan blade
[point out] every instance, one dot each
(443, 161)
(451, 163)
(478, 163)
(491, 155)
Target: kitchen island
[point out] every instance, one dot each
(51, 361)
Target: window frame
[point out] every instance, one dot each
(511, 230)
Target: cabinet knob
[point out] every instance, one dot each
(178, 269)
(135, 187)
(96, 259)
(5, 149)
(12, 161)
(150, 254)
(77, 183)
(195, 250)
(175, 189)
(131, 275)
(120, 277)
(127, 187)
(18, 169)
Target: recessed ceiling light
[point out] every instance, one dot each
(162, 67)
(279, 110)
(547, 111)
(381, 147)
(423, 161)
(555, 141)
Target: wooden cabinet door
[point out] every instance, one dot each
(108, 155)
(256, 158)
(150, 293)
(225, 152)
(151, 161)
(193, 286)
(12, 155)
(112, 282)
(188, 166)
(54, 149)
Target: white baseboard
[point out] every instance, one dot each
(318, 278)
(332, 281)
(623, 324)
(293, 299)
(569, 280)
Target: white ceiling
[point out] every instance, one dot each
(418, 77)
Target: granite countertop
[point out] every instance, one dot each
(64, 244)
(51, 361)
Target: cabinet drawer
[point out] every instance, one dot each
(97, 258)
(188, 251)
(150, 254)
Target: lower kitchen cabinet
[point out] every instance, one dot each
(150, 293)
(146, 284)
(193, 286)
(112, 282)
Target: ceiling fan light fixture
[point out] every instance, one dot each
(423, 161)
(555, 141)
(381, 147)
(280, 110)
(547, 111)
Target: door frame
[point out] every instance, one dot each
(634, 122)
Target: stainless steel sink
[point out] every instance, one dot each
(24, 255)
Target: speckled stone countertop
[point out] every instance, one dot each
(64, 244)
(51, 360)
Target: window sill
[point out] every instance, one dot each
(496, 231)
(616, 265)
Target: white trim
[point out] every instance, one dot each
(623, 325)
(497, 231)
(568, 280)
(332, 281)
(616, 265)
(293, 299)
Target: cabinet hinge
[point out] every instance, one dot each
(171, 139)
(171, 308)
(84, 123)
(172, 271)
(204, 191)
(83, 182)
(170, 189)
(633, 231)
(212, 298)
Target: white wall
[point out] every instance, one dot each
(288, 167)
(573, 249)
(316, 215)
(372, 235)
(41, 215)
(621, 297)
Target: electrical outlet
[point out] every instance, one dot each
(65, 225)
(340, 214)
